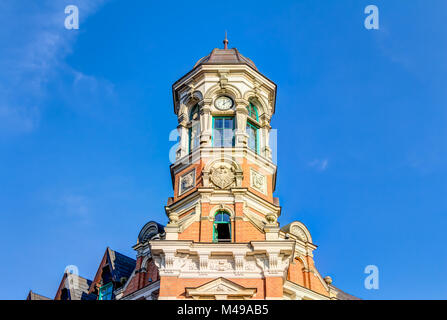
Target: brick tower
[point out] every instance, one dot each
(223, 239)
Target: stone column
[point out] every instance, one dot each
(241, 135)
(205, 123)
(265, 137)
(182, 128)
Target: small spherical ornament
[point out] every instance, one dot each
(328, 279)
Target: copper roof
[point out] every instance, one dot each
(225, 56)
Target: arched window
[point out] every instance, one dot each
(253, 112)
(222, 227)
(194, 130)
(252, 128)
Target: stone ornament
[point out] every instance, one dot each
(297, 231)
(220, 265)
(187, 181)
(222, 175)
(271, 218)
(258, 181)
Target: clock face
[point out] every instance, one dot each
(223, 103)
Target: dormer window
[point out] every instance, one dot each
(106, 291)
(222, 227)
(65, 294)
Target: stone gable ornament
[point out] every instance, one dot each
(271, 218)
(297, 231)
(222, 175)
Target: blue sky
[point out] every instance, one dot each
(85, 117)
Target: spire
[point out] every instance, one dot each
(225, 42)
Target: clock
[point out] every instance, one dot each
(224, 103)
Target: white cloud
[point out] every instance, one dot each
(34, 47)
(319, 164)
(75, 206)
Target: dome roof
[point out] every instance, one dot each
(225, 56)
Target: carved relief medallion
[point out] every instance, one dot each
(187, 181)
(258, 181)
(222, 175)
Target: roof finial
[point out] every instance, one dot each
(225, 42)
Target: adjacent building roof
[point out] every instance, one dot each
(35, 296)
(77, 288)
(120, 266)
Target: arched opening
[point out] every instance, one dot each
(253, 112)
(222, 227)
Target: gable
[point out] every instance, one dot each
(119, 266)
(220, 289)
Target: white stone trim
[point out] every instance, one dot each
(182, 177)
(145, 292)
(297, 292)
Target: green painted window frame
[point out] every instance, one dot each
(252, 109)
(256, 129)
(106, 295)
(192, 147)
(215, 223)
(213, 138)
(194, 123)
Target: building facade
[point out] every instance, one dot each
(223, 239)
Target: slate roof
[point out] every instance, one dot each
(77, 286)
(122, 266)
(225, 56)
